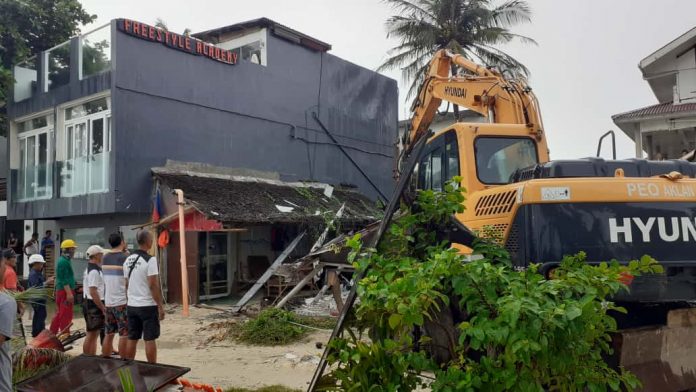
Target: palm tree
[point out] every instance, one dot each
(472, 28)
(160, 23)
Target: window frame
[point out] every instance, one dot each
(440, 142)
(23, 142)
(476, 140)
(69, 147)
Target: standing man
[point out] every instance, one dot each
(145, 309)
(10, 281)
(37, 279)
(115, 299)
(65, 284)
(8, 315)
(46, 242)
(93, 308)
(32, 246)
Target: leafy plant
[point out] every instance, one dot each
(126, 378)
(272, 327)
(477, 325)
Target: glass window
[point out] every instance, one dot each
(436, 165)
(87, 146)
(84, 237)
(59, 66)
(424, 173)
(96, 51)
(497, 158)
(25, 79)
(35, 174)
(452, 157)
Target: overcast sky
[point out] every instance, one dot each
(583, 70)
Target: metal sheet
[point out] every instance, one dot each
(88, 373)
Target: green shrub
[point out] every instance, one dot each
(271, 327)
(475, 325)
(272, 388)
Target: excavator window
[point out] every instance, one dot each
(440, 163)
(497, 158)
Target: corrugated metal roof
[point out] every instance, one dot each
(654, 110)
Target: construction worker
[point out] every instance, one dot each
(65, 286)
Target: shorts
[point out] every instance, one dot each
(94, 317)
(117, 320)
(143, 322)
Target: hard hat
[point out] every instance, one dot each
(68, 244)
(37, 258)
(94, 250)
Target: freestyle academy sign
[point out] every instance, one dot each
(177, 41)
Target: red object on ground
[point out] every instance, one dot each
(46, 339)
(64, 316)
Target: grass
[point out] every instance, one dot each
(277, 327)
(272, 388)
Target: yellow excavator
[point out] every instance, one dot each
(542, 210)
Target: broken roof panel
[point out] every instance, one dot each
(237, 201)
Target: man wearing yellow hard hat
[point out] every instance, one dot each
(65, 288)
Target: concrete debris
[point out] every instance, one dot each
(323, 306)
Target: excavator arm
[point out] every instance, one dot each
(483, 90)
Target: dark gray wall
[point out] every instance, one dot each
(167, 104)
(173, 105)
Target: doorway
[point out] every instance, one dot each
(216, 264)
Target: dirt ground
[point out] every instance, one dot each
(195, 342)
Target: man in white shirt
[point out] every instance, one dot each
(115, 300)
(93, 291)
(145, 309)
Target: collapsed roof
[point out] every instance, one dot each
(238, 200)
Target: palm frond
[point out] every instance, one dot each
(30, 361)
(30, 295)
(412, 7)
(511, 13)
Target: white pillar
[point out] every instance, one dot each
(638, 137)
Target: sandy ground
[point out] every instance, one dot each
(191, 342)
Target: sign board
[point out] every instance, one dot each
(176, 41)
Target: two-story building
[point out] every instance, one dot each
(91, 117)
(666, 129)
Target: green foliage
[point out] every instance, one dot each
(126, 378)
(472, 28)
(272, 327)
(510, 330)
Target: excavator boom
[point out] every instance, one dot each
(478, 88)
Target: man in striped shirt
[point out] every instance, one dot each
(115, 298)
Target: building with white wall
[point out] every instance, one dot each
(667, 128)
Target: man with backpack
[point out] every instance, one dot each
(145, 308)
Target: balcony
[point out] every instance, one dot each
(34, 183)
(75, 177)
(79, 58)
(83, 175)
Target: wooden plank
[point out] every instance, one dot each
(266, 275)
(322, 237)
(299, 286)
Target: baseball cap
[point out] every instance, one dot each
(94, 250)
(8, 254)
(37, 258)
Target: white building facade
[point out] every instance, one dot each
(666, 129)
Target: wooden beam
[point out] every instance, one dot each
(299, 286)
(266, 275)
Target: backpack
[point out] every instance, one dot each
(140, 253)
